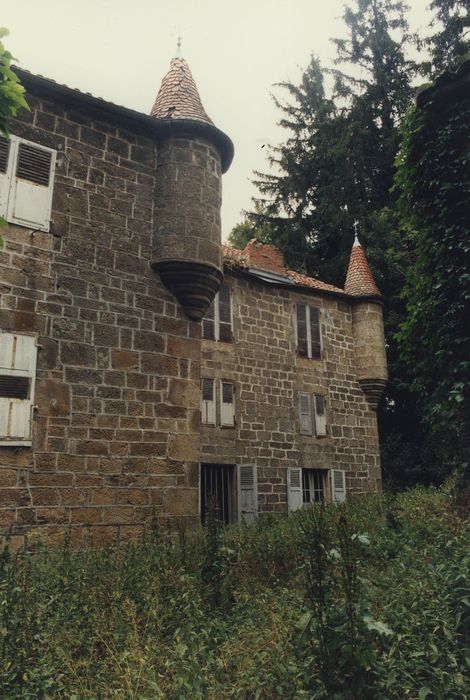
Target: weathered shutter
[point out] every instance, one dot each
(208, 322)
(294, 488)
(30, 198)
(207, 402)
(320, 415)
(247, 492)
(338, 485)
(17, 383)
(227, 413)
(225, 313)
(7, 147)
(305, 415)
(302, 344)
(315, 335)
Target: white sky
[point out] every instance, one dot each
(236, 49)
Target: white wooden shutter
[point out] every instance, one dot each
(7, 154)
(31, 186)
(294, 488)
(227, 413)
(247, 492)
(338, 485)
(305, 415)
(207, 402)
(17, 384)
(320, 415)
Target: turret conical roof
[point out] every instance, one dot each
(359, 279)
(178, 97)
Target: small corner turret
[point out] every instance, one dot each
(368, 327)
(192, 156)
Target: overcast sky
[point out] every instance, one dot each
(120, 50)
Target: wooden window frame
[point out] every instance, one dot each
(217, 401)
(317, 427)
(308, 322)
(216, 318)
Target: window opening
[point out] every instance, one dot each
(217, 492)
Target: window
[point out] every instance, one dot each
(227, 415)
(313, 485)
(308, 331)
(217, 323)
(208, 402)
(230, 492)
(312, 424)
(26, 182)
(338, 485)
(307, 486)
(226, 412)
(17, 383)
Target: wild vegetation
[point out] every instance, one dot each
(367, 600)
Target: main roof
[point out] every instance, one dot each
(266, 263)
(178, 97)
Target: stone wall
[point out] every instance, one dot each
(116, 426)
(267, 373)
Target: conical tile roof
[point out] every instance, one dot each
(359, 279)
(178, 97)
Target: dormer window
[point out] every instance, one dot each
(26, 182)
(217, 323)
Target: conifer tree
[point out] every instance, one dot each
(449, 45)
(302, 199)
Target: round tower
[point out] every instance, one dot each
(368, 327)
(192, 155)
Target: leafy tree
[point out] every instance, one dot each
(246, 230)
(450, 43)
(11, 95)
(434, 181)
(11, 91)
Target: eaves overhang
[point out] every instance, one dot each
(303, 289)
(154, 127)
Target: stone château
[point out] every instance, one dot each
(143, 365)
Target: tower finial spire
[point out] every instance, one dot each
(178, 46)
(356, 238)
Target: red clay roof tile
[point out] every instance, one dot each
(267, 257)
(359, 279)
(178, 97)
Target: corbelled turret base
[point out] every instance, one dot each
(373, 390)
(193, 284)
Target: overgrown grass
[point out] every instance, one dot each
(367, 600)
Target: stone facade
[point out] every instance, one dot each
(267, 373)
(116, 428)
